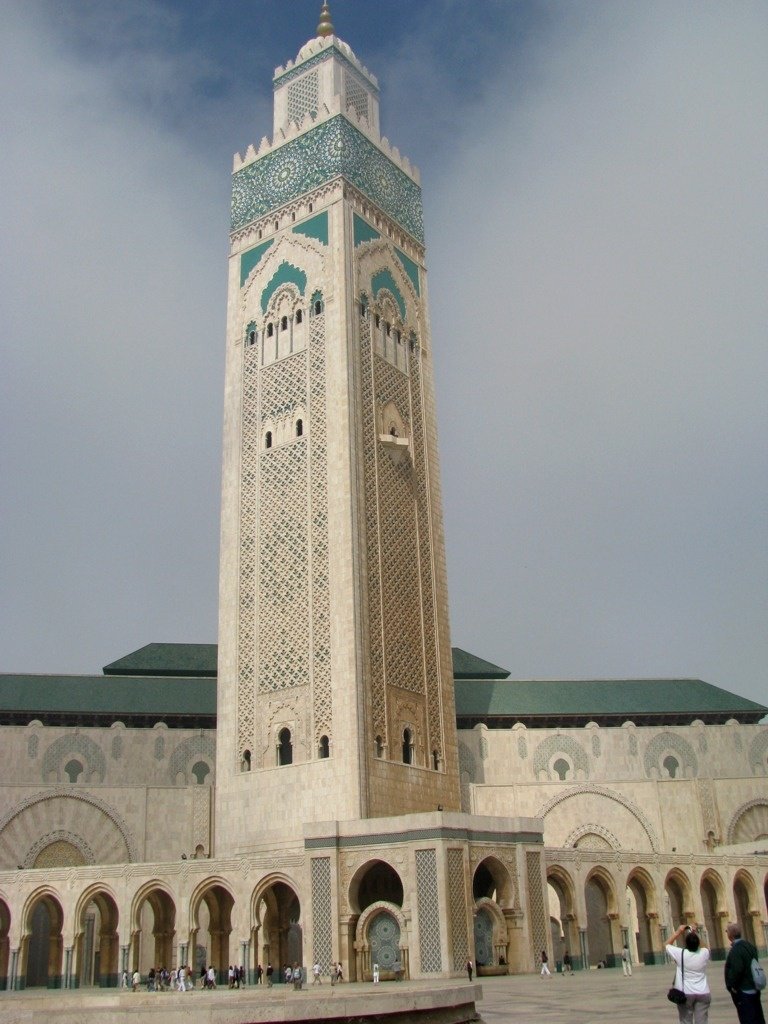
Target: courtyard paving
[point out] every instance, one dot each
(591, 997)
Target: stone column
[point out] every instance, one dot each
(13, 970)
(67, 980)
(584, 947)
(124, 954)
(244, 958)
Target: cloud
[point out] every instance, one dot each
(597, 255)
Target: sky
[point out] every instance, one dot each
(595, 178)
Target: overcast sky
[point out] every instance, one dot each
(595, 179)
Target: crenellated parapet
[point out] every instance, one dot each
(315, 52)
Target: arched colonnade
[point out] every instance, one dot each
(596, 908)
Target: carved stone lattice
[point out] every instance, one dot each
(457, 909)
(284, 559)
(536, 915)
(322, 917)
(553, 745)
(663, 743)
(429, 911)
(302, 96)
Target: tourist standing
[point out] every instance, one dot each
(691, 976)
(316, 979)
(626, 961)
(545, 971)
(567, 963)
(739, 980)
(270, 971)
(469, 969)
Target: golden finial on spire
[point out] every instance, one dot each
(325, 26)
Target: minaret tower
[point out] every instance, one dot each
(335, 699)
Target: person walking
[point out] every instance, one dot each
(691, 975)
(545, 971)
(626, 961)
(316, 979)
(259, 975)
(270, 972)
(469, 969)
(739, 980)
(567, 963)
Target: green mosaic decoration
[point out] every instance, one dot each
(319, 58)
(384, 279)
(286, 273)
(315, 227)
(334, 148)
(410, 268)
(250, 259)
(364, 232)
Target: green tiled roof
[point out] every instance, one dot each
(97, 696)
(166, 660)
(598, 698)
(469, 666)
(176, 683)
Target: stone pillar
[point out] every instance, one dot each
(183, 949)
(244, 958)
(124, 954)
(13, 970)
(67, 981)
(584, 947)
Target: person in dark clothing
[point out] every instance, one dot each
(738, 978)
(469, 969)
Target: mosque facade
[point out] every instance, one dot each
(333, 782)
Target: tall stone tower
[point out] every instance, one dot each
(335, 697)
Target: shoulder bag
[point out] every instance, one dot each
(676, 995)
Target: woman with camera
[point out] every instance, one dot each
(691, 975)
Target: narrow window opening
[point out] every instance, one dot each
(318, 308)
(299, 316)
(561, 769)
(311, 207)
(377, 320)
(246, 763)
(393, 431)
(201, 771)
(73, 770)
(299, 428)
(284, 324)
(407, 746)
(284, 747)
(261, 233)
(324, 747)
(270, 330)
(252, 338)
(436, 760)
(268, 439)
(293, 218)
(397, 337)
(379, 747)
(672, 765)
(412, 343)
(277, 225)
(388, 327)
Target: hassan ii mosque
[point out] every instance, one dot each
(332, 781)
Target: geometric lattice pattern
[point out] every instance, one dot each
(401, 586)
(321, 912)
(567, 745)
(429, 911)
(536, 917)
(78, 744)
(357, 95)
(457, 908)
(665, 742)
(327, 151)
(284, 599)
(302, 97)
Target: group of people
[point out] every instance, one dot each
(691, 961)
(160, 979)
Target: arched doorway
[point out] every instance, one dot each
(562, 896)
(97, 942)
(713, 904)
(643, 925)
(211, 906)
(677, 888)
(277, 935)
(603, 941)
(492, 892)
(43, 944)
(154, 929)
(745, 901)
(5, 927)
(376, 884)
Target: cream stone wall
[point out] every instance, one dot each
(136, 798)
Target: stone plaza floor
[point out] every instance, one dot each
(594, 997)
(590, 997)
